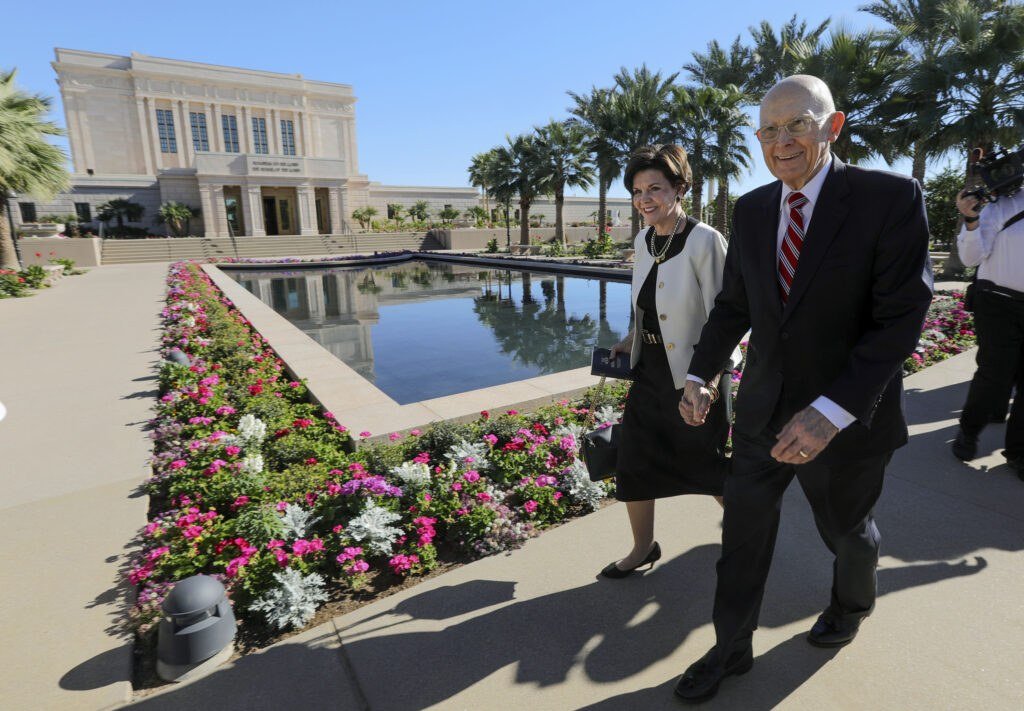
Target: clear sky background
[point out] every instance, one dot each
(436, 82)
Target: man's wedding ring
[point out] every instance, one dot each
(802, 453)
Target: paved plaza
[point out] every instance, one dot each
(533, 628)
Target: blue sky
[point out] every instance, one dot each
(436, 82)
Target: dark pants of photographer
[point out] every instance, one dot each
(999, 325)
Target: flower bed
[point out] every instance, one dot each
(259, 487)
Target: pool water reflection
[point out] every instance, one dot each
(420, 329)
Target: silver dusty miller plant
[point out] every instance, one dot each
(415, 475)
(576, 481)
(295, 599)
(297, 521)
(373, 528)
(463, 450)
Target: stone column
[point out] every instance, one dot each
(306, 149)
(209, 215)
(154, 132)
(315, 298)
(186, 135)
(217, 131)
(83, 129)
(273, 137)
(263, 291)
(335, 202)
(252, 205)
(306, 211)
(220, 210)
(244, 140)
(147, 143)
(351, 154)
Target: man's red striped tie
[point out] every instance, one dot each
(792, 243)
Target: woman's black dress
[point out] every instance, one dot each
(659, 454)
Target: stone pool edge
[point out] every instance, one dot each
(362, 407)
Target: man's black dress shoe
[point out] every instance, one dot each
(965, 447)
(615, 572)
(830, 631)
(700, 682)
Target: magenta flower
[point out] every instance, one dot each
(530, 506)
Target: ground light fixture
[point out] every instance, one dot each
(196, 630)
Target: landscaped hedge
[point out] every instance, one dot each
(255, 485)
(259, 487)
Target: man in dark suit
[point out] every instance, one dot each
(828, 268)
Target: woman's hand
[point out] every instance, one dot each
(623, 346)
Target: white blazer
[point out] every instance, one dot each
(685, 293)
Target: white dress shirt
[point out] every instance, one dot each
(829, 409)
(998, 253)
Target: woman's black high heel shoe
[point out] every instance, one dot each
(615, 572)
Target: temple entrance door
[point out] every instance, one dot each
(270, 216)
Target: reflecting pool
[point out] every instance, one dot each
(423, 329)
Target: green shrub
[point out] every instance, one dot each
(492, 246)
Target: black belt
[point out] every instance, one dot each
(990, 287)
(650, 337)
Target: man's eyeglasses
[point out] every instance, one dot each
(795, 128)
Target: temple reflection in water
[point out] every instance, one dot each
(423, 329)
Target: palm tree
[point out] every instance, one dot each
(595, 112)
(177, 216)
(730, 154)
(694, 115)
(859, 68)
(719, 68)
(566, 162)
(448, 215)
(395, 211)
(364, 215)
(419, 210)
(519, 171)
(773, 56)
(121, 210)
(481, 167)
(28, 163)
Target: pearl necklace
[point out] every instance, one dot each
(659, 257)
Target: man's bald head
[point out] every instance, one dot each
(811, 92)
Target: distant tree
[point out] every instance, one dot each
(395, 212)
(478, 214)
(481, 171)
(177, 216)
(519, 172)
(565, 158)
(448, 215)
(121, 211)
(28, 163)
(364, 216)
(419, 210)
(940, 201)
(595, 112)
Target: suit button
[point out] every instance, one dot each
(661, 285)
(663, 317)
(670, 346)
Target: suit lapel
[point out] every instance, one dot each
(767, 246)
(829, 213)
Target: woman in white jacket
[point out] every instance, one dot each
(677, 273)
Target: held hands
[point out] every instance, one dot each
(696, 402)
(804, 437)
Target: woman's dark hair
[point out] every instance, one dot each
(670, 159)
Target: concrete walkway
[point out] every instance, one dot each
(536, 629)
(76, 376)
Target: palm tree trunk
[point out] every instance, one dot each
(8, 251)
(524, 222)
(920, 162)
(602, 202)
(559, 203)
(722, 205)
(697, 198)
(602, 300)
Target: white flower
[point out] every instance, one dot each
(297, 521)
(251, 430)
(580, 488)
(463, 450)
(253, 464)
(294, 602)
(373, 527)
(415, 475)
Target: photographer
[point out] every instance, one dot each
(992, 239)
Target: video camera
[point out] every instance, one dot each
(1002, 174)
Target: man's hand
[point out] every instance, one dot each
(804, 437)
(968, 206)
(695, 403)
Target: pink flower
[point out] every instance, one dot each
(491, 439)
(364, 434)
(512, 412)
(225, 410)
(240, 502)
(483, 496)
(457, 486)
(530, 506)
(157, 553)
(558, 495)
(192, 531)
(282, 505)
(178, 464)
(231, 450)
(359, 566)
(393, 436)
(415, 433)
(281, 557)
(328, 415)
(471, 476)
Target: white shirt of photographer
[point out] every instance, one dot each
(998, 253)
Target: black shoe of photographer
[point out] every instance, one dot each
(1017, 464)
(701, 680)
(965, 447)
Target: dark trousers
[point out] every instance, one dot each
(999, 325)
(842, 497)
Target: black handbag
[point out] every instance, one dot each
(600, 451)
